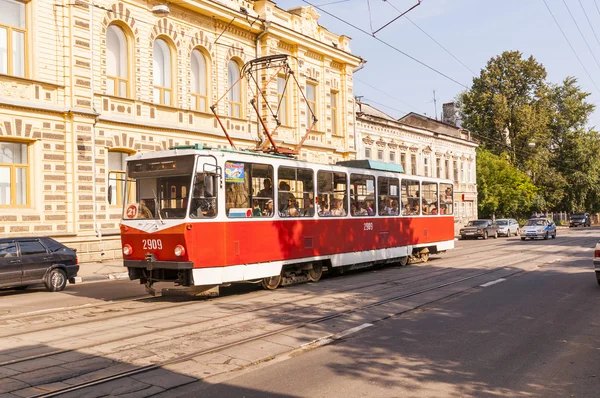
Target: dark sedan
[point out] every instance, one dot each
(479, 229)
(582, 219)
(30, 261)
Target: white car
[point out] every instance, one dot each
(507, 226)
(538, 228)
(597, 261)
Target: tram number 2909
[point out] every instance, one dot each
(152, 244)
(368, 226)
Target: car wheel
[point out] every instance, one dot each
(554, 235)
(485, 235)
(56, 280)
(495, 234)
(517, 232)
(546, 236)
(522, 238)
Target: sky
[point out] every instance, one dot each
(473, 31)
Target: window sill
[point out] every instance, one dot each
(28, 80)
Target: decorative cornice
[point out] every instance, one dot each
(368, 140)
(380, 143)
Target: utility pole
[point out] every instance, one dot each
(435, 105)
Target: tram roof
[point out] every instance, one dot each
(372, 165)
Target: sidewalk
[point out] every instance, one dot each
(112, 269)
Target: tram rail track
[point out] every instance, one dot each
(183, 358)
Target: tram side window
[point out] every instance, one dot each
(331, 194)
(204, 196)
(446, 199)
(389, 196)
(411, 200)
(295, 192)
(248, 189)
(429, 197)
(362, 195)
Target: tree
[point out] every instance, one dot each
(503, 191)
(508, 107)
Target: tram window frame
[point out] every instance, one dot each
(360, 193)
(385, 190)
(447, 205)
(300, 183)
(253, 175)
(410, 197)
(429, 198)
(329, 192)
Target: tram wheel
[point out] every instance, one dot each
(403, 261)
(272, 282)
(316, 272)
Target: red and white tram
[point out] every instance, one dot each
(198, 216)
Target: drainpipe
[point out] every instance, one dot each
(95, 215)
(266, 25)
(362, 64)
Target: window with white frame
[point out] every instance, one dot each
(162, 75)
(426, 165)
(117, 62)
(455, 168)
(392, 157)
(311, 103)
(234, 97)
(447, 168)
(13, 35)
(367, 153)
(14, 174)
(403, 160)
(199, 89)
(116, 176)
(380, 154)
(282, 99)
(413, 164)
(471, 167)
(438, 167)
(463, 174)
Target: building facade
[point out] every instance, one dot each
(425, 147)
(84, 85)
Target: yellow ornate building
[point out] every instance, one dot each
(84, 85)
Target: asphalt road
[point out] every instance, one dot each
(534, 334)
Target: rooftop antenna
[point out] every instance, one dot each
(435, 105)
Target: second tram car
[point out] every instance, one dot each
(197, 216)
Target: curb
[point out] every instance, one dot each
(95, 278)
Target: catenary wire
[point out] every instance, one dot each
(386, 44)
(589, 22)
(389, 95)
(432, 39)
(581, 33)
(570, 45)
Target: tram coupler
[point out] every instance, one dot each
(149, 288)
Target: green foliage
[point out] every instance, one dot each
(538, 128)
(503, 190)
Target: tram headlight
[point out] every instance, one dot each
(179, 250)
(127, 250)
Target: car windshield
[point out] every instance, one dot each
(580, 215)
(532, 223)
(502, 222)
(476, 223)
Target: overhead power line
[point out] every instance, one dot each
(589, 22)
(434, 40)
(389, 95)
(570, 45)
(581, 33)
(386, 44)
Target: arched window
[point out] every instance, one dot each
(199, 77)
(234, 98)
(117, 62)
(13, 37)
(161, 62)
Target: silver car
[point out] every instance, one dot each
(538, 228)
(507, 226)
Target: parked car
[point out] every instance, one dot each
(538, 228)
(30, 261)
(597, 261)
(479, 229)
(507, 226)
(580, 219)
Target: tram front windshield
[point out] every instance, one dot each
(164, 189)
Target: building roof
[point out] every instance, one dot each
(369, 110)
